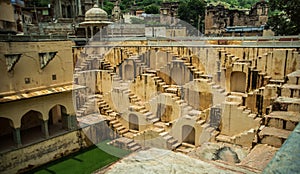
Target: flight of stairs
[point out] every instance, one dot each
(126, 144)
(88, 107)
(185, 148)
(285, 114)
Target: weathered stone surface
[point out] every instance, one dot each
(162, 161)
(259, 157)
(215, 151)
(287, 159)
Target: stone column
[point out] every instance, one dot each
(59, 8)
(65, 122)
(45, 129)
(79, 8)
(86, 33)
(17, 137)
(92, 31)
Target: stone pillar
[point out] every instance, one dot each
(65, 121)
(72, 122)
(45, 129)
(59, 9)
(92, 31)
(79, 8)
(17, 137)
(86, 33)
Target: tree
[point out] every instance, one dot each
(108, 6)
(284, 16)
(152, 9)
(193, 12)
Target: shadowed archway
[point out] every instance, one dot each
(58, 119)
(31, 127)
(238, 82)
(6, 134)
(133, 122)
(188, 134)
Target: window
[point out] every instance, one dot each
(54, 77)
(27, 80)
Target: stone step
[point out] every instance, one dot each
(158, 130)
(224, 138)
(180, 101)
(117, 125)
(109, 111)
(133, 96)
(105, 108)
(151, 117)
(184, 105)
(284, 115)
(144, 111)
(174, 146)
(158, 80)
(123, 131)
(147, 114)
(252, 116)
(126, 91)
(162, 83)
(247, 111)
(188, 145)
(242, 108)
(167, 137)
(272, 131)
(159, 124)
(120, 128)
(113, 114)
(135, 100)
(114, 122)
(136, 148)
(129, 135)
(124, 140)
(176, 98)
(155, 120)
(164, 134)
(201, 122)
(132, 144)
(172, 141)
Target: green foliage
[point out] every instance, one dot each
(284, 16)
(191, 11)
(37, 3)
(135, 20)
(152, 9)
(236, 3)
(108, 6)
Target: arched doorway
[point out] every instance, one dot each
(6, 134)
(129, 72)
(133, 122)
(188, 134)
(31, 127)
(238, 82)
(58, 119)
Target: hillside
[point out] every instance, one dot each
(143, 4)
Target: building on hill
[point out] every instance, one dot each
(220, 20)
(116, 13)
(168, 12)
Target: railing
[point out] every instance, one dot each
(27, 38)
(254, 41)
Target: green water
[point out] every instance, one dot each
(85, 161)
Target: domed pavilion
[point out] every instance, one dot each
(95, 20)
